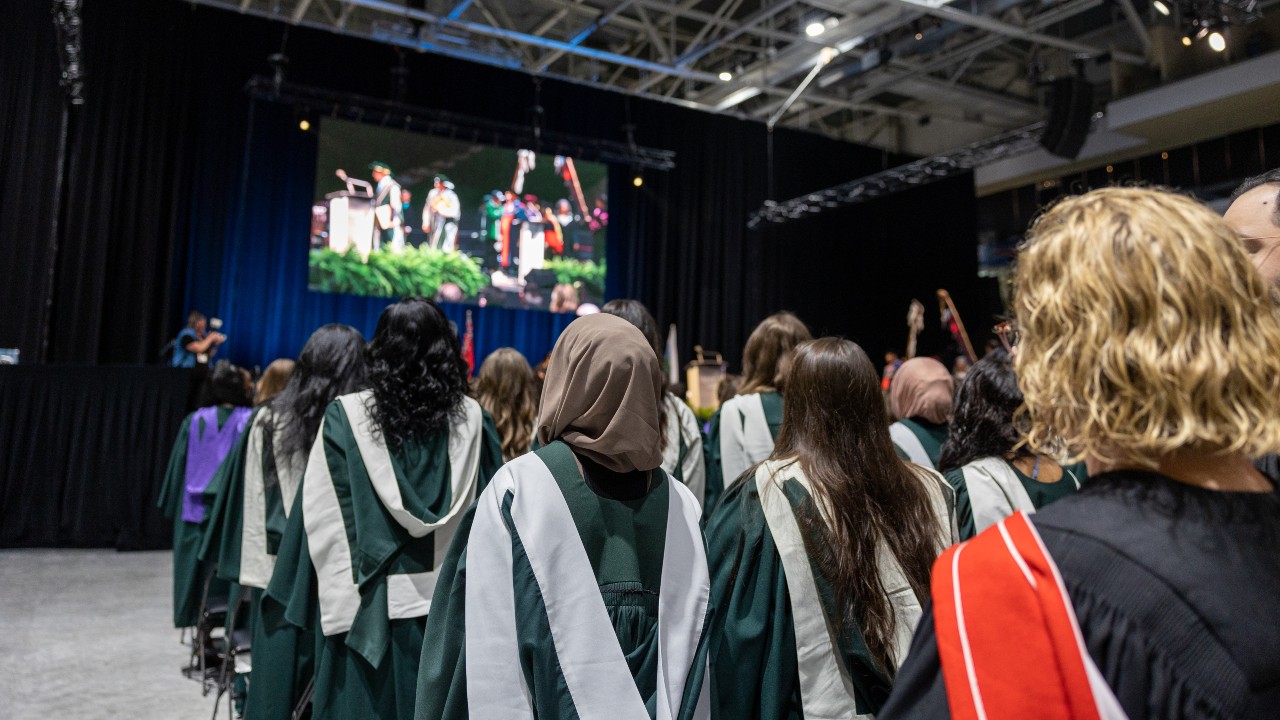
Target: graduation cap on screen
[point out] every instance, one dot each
(380, 166)
(444, 180)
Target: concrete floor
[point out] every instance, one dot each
(88, 634)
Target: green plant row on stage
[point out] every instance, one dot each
(586, 274)
(413, 271)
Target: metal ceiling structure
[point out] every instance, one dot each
(916, 76)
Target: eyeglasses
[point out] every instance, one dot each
(1008, 333)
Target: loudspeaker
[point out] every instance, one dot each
(1070, 110)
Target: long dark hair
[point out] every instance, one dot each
(331, 364)
(415, 370)
(634, 312)
(982, 422)
(837, 428)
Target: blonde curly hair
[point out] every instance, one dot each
(1144, 330)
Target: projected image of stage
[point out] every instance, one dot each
(399, 213)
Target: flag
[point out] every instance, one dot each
(673, 356)
(469, 346)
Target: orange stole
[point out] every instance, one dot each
(1008, 639)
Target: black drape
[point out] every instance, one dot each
(155, 163)
(84, 452)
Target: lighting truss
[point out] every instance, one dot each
(324, 103)
(914, 174)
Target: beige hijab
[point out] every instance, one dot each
(602, 394)
(922, 387)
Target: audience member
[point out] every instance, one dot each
(204, 439)
(820, 560)
(681, 438)
(257, 501)
(390, 475)
(577, 585)
(993, 473)
(920, 398)
(505, 389)
(1149, 346)
(742, 431)
(272, 381)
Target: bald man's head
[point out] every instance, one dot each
(1255, 216)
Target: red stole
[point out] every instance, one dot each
(1008, 639)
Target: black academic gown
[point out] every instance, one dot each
(1176, 589)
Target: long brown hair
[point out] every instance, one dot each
(837, 428)
(505, 388)
(764, 359)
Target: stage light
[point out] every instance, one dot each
(726, 76)
(305, 125)
(814, 29)
(637, 180)
(919, 36)
(1164, 156)
(1217, 41)
(1160, 7)
(1110, 169)
(1186, 40)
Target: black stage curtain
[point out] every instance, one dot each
(84, 453)
(156, 158)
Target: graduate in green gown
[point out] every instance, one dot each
(577, 587)
(820, 557)
(387, 481)
(204, 440)
(743, 430)
(682, 455)
(920, 397)
(984, 459)
(258, 489)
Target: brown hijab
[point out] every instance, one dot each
(602, 394)
(922, 387)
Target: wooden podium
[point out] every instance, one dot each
(350, 222)
(703, 377)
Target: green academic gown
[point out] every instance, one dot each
(624, 540)
(189, 571)
(285, 636)
(754, 668)
(932, 436)
(772, 404)
(1039, 493)
(224, 538)
(368, 667)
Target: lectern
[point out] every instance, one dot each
(350, 222)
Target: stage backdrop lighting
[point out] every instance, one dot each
(455, 220)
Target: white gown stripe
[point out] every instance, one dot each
(595, 671)
(744, 436)
(327, 541)
(255, 564)
(995, 492)
(495, 683)
(826, 691)
(910, 444)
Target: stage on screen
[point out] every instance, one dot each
(399, 213)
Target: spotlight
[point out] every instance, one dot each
(1217, 41)
(1110, 169)
(726, 76)
(814, 29)
(1164, 156)
(919, 36)
(1186, 40)
(1160, 7)
(638, 180)
(305, 125)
